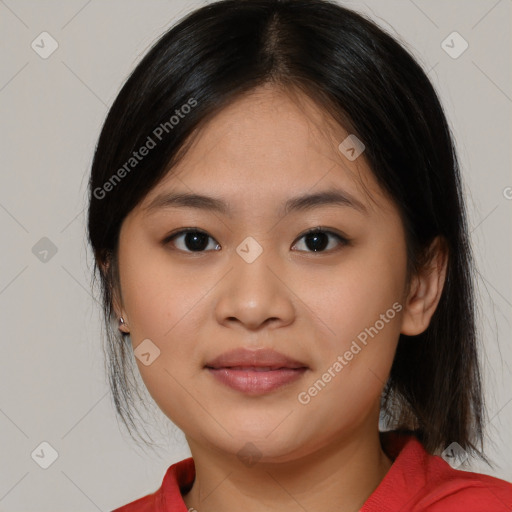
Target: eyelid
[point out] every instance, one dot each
(323, 229)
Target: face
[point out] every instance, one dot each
(250, 277)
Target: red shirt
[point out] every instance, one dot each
(416, 482)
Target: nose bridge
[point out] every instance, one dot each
(252, 270)
(253, 293)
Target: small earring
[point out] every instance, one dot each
(121, 321)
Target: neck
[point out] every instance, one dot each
(339, 476)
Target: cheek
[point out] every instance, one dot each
(358, 309)
(156, 294)
(166, 303)
(163, 304)
(362, 315)
(355, 294)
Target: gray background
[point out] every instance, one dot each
(54, 388)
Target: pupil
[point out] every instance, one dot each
(319, 241)
(196, 241)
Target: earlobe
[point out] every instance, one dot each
(116, 302)
(120, 314)
(123, 327)
(425, 291)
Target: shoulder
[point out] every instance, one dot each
(418, 481)
(455, 490)
(168, 498)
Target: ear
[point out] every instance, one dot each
(425, 291)
(119, 311)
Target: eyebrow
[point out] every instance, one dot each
(331, 197)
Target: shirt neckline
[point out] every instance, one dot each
(399, 446)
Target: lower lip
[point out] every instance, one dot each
(254, 382)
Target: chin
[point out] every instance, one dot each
(256, 445)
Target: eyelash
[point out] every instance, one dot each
(342, 239)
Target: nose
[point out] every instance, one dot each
(255, 295)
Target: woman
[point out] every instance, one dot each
(277, 220)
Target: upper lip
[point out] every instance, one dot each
(254, 358)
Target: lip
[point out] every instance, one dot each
(263, 357)
(255, 372)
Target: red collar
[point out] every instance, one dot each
(416, 482)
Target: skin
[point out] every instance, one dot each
(255, 154)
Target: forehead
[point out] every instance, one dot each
(270, 143)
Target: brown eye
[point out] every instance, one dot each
(317, 240)
(191, 240)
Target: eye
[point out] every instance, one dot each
(317, 239)
(196, 240)
(192, 240)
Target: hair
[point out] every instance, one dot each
(373, 87)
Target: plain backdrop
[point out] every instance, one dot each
(54, 387)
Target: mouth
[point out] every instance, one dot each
(256, 380)
(255, 372)
(253, 368)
